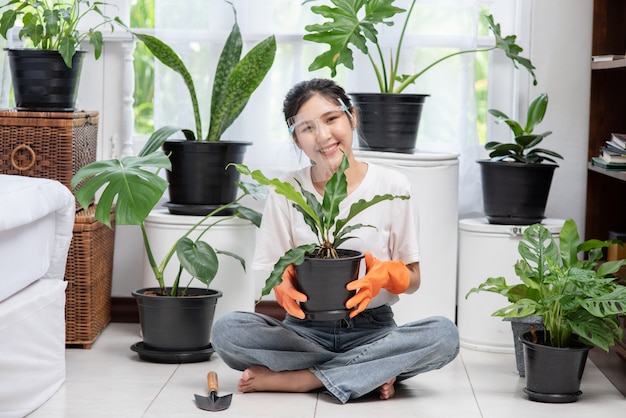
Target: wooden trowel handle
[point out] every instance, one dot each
(211, 379)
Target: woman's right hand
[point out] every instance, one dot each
(288, 296)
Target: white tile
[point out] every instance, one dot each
(110, 380)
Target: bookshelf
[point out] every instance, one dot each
(606, 189)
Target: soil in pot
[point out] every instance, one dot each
(177, 325)
(553, 374)
(41, 80)
(324, 282)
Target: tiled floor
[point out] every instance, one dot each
(110, 380)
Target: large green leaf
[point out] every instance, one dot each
(281, 187)
(351, 22)
(198, 258)
(294, 256)
(230, 56)
(137, 190)
(243, 80)
(170, 58)
(335, 191)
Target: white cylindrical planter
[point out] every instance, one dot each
(434, 179)
(488, 250)
(234, 235)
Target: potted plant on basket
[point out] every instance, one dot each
(578, 300)
(198, 180)
(46, 73)
(176, 321)
(322, 269)
(516, 179)
(353, 24)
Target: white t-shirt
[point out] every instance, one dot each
(395, 236)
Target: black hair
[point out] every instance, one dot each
(304, 90)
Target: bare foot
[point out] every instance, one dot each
(262, 379)
(386, 391)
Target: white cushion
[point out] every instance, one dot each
(36, 220)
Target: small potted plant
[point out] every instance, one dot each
(198, 180)
(578, 300)
(352, 25)
(516, 179)
(50, 29)
(176, 320)
(315, 261)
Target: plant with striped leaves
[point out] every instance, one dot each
(235, 79)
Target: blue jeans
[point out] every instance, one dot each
(351, 357)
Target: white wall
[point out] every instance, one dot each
(561, 50)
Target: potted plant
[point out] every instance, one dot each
(45, 75)
(198, 180)
(176, 320)
(516, 179)
(353, 24)
(578, 300)
(317, 263)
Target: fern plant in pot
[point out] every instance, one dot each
(516, 179)
(353, 26)
(578, 300)
(176, 320)
(322, 268)
(46, 72)
(198, 180)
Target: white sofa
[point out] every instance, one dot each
(36, 221)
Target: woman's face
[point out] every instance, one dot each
(323, 129)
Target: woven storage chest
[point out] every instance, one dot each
(88, 273)
(52, 145)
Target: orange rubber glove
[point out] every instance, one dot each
(391, 275)
(288, 296)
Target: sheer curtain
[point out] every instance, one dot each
(197, 32)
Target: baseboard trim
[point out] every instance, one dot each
(124, 309)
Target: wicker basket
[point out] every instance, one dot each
(88, 273)
(52, 145)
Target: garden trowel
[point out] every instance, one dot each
(213, 402)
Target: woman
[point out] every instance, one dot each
(367, 351)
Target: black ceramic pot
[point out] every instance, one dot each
(199, 180)
(515, 193)
(41, 80)
(553, 374)
(389, 121)
(176, 324)
(324, 282)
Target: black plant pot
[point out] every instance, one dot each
(553, 374)
(176, 329)
(389, 122)
(515, 193)
(199, 180)
(519, 327)
(41, 80)
(324, 282)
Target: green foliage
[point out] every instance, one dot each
(322, 218)
(352, 23)
(523, 148)
(573, 296)
(53, 24)
(132, 188)
(235, 79)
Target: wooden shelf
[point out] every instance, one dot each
(608, 65)
(605, 188)
(620, 175)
